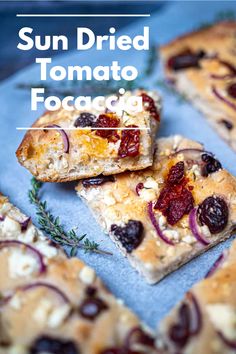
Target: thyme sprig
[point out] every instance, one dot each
(52, 226)
(226, 15)
(162, 84)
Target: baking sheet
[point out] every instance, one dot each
(151, 303)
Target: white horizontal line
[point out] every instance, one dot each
(83, 15)
(82, 128)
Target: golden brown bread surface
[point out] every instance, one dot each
(213, 308)
(63, 305)
(115, 204)
(77, 151)
(209, 83)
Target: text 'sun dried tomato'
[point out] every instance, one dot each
(130, 141)
(175, 199)
(108, 120)
(149, 105)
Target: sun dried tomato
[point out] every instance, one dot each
(180, 206)
(149, 105)
(175, 199)
(108, 120)
(176, 173)
(130, 141)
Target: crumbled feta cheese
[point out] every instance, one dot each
(196, 170)
(17, 349)
(188, 239)
(177, 139)
(21, 264)
(42, 311)
(162, 221)
(5, 208)
(109, 198)
(151, 183)
(15, 302)
(10, 228)
(223, 317)
(172, 234)
(87, 275)
(57, 317)
(29, 235)
(47, 250)
(147, 194)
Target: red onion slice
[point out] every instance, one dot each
(189, 322)
(230, 67)
(39, 284)
(30, 249)
(156, 225)
(223, 99)
(63, 135)
(194, 153)
(2, 218)
(194, 228)
(138, 188)
(220, 260)
(196, 316)
(138, 336)
(228, 342)
(24, 224)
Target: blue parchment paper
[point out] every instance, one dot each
(151, 303)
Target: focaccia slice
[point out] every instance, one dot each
(17, 229)
(202, 66)
(165, 215)
(51, 304)
(205, 321)
(76, 146)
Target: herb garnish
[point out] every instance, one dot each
(53, 227)
(170, 90)
(227, 15)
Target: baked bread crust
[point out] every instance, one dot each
(116, 203)
(215, 297)
(214, 73)
(43, 152)
(31, 312)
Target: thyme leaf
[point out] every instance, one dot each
(52, 226)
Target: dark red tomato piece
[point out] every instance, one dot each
(108, 120)
(149, 105)
(130, 141)
(176, 173)
(175, 199)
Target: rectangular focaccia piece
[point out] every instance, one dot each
(165, 215)
(205, 321)
(81, 148)
(51, 304)
(202, 66)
